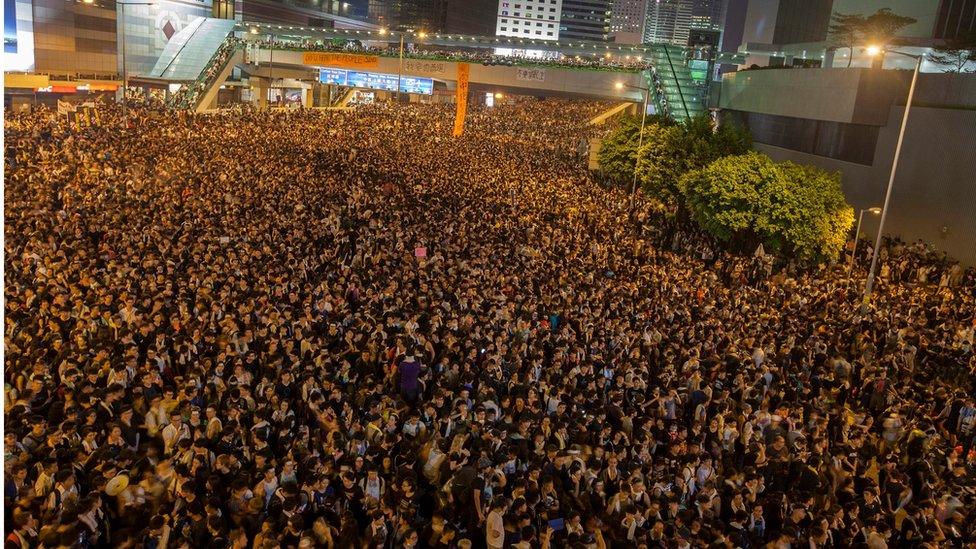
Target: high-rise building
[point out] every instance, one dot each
(956, 18)
(426, 15)
(627, 21)
(708, 14)
(538, 19)
(472, 17)
(668, 22)
(585, 20)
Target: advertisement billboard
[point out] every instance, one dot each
(18, 35)
(337, 77)
(376, 81)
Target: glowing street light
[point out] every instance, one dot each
(869, 285)
(640, 141)
(857, 233)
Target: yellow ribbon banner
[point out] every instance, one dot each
(341, 60)
(463, 72)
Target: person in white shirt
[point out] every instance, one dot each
(173, 433)
(495, 524)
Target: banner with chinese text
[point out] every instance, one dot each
(342, 60)
(463, 73)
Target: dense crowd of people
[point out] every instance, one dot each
(349, 329)
(486, 56)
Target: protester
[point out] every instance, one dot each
(220, 332)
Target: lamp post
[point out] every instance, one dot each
(640, 139)
(869, 285)
(400, 71)
(857, 232)
(270, 71)
(125, 72)
(420, 35)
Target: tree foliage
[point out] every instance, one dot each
(883, 25)
(748, 199)
(845, 31)
(618, 153)
(956, 53)
(668, 153)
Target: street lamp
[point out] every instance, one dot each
(894, 166)
(640, 139)
(125, 72)
(420, 35)
(400, 70)
(857, 233)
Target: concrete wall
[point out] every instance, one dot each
(856, 96)
(934, 194)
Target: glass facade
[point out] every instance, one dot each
(585, 20)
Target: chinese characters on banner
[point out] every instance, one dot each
(463, 72)
(424, 67)
(532, 75)
(342, 60)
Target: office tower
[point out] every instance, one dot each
(955, 19)
(472, 17)
(426, 15)
(585, 20)
(538, 19)
(627, 21)
(668, 22)
(708, 14)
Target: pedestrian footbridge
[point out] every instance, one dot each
(206, 53)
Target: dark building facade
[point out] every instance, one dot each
(802, 21)
(425, 15)
(585, 20)
(956, 18)
(472, 17)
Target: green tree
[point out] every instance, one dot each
(722, 197)
(804, 213)
(671, 152)
(747, 199)
(618, 152)
(845, 31)
(662, 161)
(956, 53)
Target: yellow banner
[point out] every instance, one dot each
(463, 72)
(341, 60)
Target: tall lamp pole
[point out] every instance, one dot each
(400, 71)
(125, 72)
(640, 138)
(869, 286)
(857, 234)
(399, 92)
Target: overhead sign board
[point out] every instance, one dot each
(338, 77)
(376, 81)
